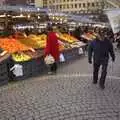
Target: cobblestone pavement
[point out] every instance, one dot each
(62, 97)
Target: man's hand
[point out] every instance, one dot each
(90, 61)
(113, 59)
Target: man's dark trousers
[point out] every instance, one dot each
(97, 65)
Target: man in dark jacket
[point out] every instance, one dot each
(100, 49)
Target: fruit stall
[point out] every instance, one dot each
(25, 54)
(22, 54)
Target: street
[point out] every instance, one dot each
(69, 95)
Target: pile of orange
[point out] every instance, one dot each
(12, 45)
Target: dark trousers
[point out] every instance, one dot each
(104, 64)
(53, 67)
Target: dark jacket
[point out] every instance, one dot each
(100, 50)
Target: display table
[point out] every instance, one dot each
(12, 70)
(4, 69)
(73, 53)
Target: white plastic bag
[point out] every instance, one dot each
(62, 58)
(80, 51)
(17, 70)
(49, 59)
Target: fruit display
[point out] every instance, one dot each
(77, 44)
(20, 57)
(38, 53)
(35, 41)
(12, 45)
(67, 38)
(89, 36)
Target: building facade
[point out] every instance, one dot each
(41, 3)
(82, 6)
(76, 6)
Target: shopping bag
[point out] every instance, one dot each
(17, 70)
(80, 51)
(62, 58)
(49, 59)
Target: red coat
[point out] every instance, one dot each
(52, 46)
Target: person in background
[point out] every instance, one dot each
(100, 49)
(52, 48)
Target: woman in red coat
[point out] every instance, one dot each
(52, 48)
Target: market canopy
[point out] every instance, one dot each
(114, 18)
(79, 18)
(22, 8)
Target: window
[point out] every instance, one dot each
(63, 6)
(71, 5)
(75, 5)
(56, 6)
(80, 5)
(68, 6)
(97, 4)
(60, 6)
(84, 5)
(93, 5)
(88, 4)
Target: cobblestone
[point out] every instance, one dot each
(86, 102)
(67, 96)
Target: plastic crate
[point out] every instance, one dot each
(38, 66)
(72, 54)
(3, 67)
(4, 70)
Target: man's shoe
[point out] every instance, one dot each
(94, 82)
(102, 87)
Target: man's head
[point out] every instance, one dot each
(98, 37)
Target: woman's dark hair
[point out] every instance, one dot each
(50, 28)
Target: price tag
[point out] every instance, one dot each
(80, 51)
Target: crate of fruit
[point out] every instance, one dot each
(20, 66)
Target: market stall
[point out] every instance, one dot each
(25, 44)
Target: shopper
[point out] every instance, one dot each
(100, 49)
(52, 48)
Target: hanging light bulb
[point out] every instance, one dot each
(21, 15)
(28, 16)
(38, 17)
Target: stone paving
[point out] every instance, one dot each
(65, 96)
